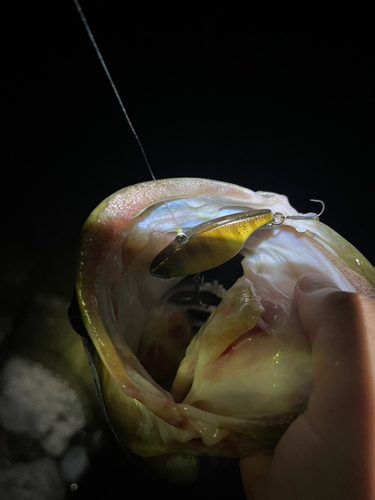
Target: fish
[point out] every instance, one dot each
(218, 369)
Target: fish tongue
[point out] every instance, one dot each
(237, 314)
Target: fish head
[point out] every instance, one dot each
(219, 370)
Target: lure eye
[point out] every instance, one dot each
(160, 272)
(181, 237)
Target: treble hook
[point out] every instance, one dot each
(198, 287)
(278, 217)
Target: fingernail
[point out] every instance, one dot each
(312, 282)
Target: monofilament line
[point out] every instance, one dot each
(106, 71)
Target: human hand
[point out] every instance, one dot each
(328, 452)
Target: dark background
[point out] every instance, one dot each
(269, 98)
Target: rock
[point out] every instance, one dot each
(36, 480)
(37, 402)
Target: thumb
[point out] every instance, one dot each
(341, 328)
(341, 409)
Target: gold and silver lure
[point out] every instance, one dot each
(214, 242)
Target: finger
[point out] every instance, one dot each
(341, 328)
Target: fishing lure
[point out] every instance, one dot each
(214, 242)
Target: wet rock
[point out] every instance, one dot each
(36, 402)
(36, 480)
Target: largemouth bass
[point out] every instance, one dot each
(219, 371)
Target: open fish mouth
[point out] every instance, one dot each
(221, 369)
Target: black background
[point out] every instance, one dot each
(269, 98)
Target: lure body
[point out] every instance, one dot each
(208, 245)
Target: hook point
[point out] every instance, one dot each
(323, 206)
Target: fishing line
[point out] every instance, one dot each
(106, 71)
